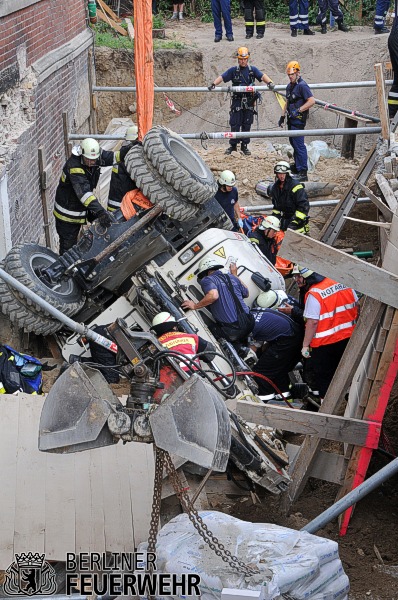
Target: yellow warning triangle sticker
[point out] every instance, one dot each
(220, 252)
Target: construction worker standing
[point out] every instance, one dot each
(227, 197)
(254, 8)
(298, 16)
(121, 182)
(299, 100)
(243, 104)
(74, 198)
(166, 329)
(289, 199)
(331, 312)
(268, 237)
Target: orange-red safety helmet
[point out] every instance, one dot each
(292, 67)
(242, 52)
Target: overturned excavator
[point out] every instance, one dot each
(121, 277)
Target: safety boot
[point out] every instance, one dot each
(232, 148)
(342, 27)
(302, 176)
(324, 28)
(249, 35)
(383, 29)
(293, 32)
(308, 32)
(245, 150)
(259, 36)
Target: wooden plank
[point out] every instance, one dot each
(130, 28)
(327, 466)
(386, 191)
(59, 505)
(118, 526)
(371, 314)
(108, 10)
(383, 208)
(141, 487)
(9, 411)
(382, 101)
(31, 479)
(375, 410)
(351, 271)
(110, 22)
(327, 427)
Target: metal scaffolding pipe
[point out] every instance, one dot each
(314, 204)
(241, 88)
(352, 497)
(228, 135)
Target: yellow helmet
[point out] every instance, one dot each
(292, 67)
(242, 52)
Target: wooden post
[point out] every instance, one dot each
(382, 102)
(93, 97)
(67, 144)
(43, 186)
(348, 143)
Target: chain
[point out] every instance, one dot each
(157, 498)
(198, 522)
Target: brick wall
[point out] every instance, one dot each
(43, 74)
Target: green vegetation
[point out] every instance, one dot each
(105, 35)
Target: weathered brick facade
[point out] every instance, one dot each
(44, 54)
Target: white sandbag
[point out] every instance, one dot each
(289, 561)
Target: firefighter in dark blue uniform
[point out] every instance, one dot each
(299, 100)
(289, 200)
(254, 8)
(74, 198)
(334, 7)
(121, 182)
(243, 105)
(298, 17)
(382, 7)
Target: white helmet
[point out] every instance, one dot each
(90, 149)
(206, 264)
(163, 317)
(271, 299)
(271, 223)
(131, 133)
(303, 271)
(282, 167)
(227, 178)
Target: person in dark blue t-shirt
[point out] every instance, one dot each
(227, 197)
(243, 104)
(299, 100)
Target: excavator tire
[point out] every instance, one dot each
(155, 188)
(21, 263)
(179, 164)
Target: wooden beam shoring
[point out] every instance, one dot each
(382, 101)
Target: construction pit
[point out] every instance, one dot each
(369, 548)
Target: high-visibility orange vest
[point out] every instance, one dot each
(338, 314)
(185, 343)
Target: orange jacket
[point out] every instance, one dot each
(338, 314)
(185, 343)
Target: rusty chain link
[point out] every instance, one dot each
(156, 500)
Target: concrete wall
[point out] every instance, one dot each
(44, 53)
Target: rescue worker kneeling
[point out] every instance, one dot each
(166, 329)
(282, 352)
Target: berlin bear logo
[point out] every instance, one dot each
(30, 574)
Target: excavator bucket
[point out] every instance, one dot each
(75, 412)
(193, 422)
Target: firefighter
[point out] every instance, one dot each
(121, 182)
(289, 199)
(334, 7)
(243, 104)
(268, 236)
(299, 100)
(284, 339)
(393, 50)
(254, 11)
(379, 25)
(166, 329)
(330, 311)
(227, 197)
(298, 16)
(74, 198)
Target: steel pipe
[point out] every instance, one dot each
(228, 135)
(241, 88)
(352, 497)
(78, 328)
(314, 204)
